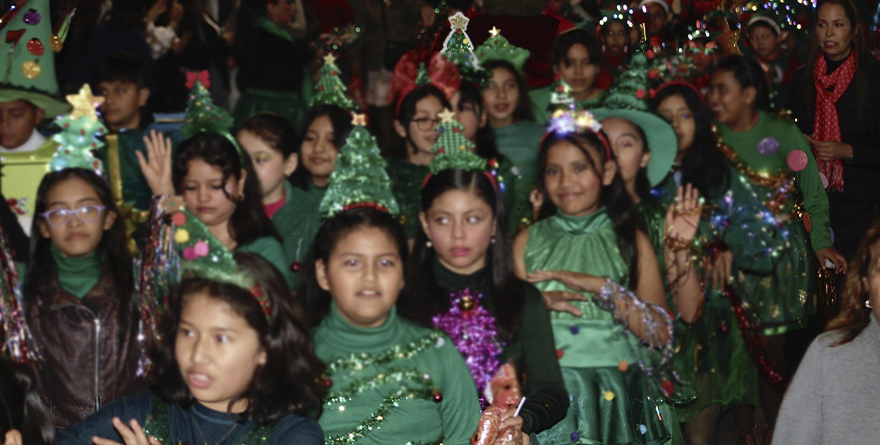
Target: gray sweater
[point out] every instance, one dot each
(835, 396)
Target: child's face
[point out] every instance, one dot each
(122, 104)
(730, 102)
(280, 11)
(422, 130)
(17, 121)
(466, 113)
(502, 97)
(203, 190)
(460, 225)
(364, 274)
(318, 152)
(628, 147)
(271, 166)
(763, 41)
(578, 73)
(656, 18)
(573, 184)
(615, 37)
(75, 238)
(676, 111)
(217, 351)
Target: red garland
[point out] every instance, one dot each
(371, 205)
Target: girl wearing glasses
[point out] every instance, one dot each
(78, 293)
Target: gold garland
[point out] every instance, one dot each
(781, 182)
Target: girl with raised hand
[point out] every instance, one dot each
(587, 209)
(463, 251)
(390, 380)
(233, 364)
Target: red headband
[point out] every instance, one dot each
(442, 73)
(684, 84)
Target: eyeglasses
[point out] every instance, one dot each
(426, 123)
(85, 214)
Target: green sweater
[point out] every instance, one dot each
(394, 384)
(298, 222)
(790, 138)
(270, 249)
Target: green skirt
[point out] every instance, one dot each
(289, 104)
(609, 406)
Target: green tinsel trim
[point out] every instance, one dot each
(498, 47)
(631, 90)
(393, 375)
(397, 352)
(369, 424)
(422, 77)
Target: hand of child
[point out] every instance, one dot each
(157, 167)
(579, 282)
(683, 217)
(511, 429)
(830, 150)
(831, 254)
(718, 271)
(537, 200)
(133, 435)
(13, 437)
(558, 300)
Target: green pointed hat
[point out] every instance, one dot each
(458, 48)
(27, 66)
(497, 47)
(79, 134)
(453, 150)
(203, 116)
(330, 90)
(359, 179)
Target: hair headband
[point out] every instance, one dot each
(411, 73)
(684, 84)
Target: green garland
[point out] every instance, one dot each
(397, 352)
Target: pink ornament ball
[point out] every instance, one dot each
(824, 180)
(201, 249)
(189, 254)
(797, 160)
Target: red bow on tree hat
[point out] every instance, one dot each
(411, 73)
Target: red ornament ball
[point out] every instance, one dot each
(35, 47)
(668, 387)
(295, 266)
(640, 94)
(178, 219)
(438, 397)
(559, 353)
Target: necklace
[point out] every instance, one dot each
(199, 428)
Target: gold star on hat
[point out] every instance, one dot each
(447, 115)
(494, 32)
(459, 21)
(359, 119)
(84, 103)
(329, 59)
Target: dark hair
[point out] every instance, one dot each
(121, 66)
(566, 40)
(407, 111)
(275, 130)
(249, 11)
(340, 119)
(523, 111)
(762, 24)
(469, 93)
(21, 407)
(863, 76)
(288, 382)
(499, 256)
(703, 165)
(128, 15)
(748, 73)
(248, 222)
(854, 315)
(614, 197)
(112, 248)
(315, 299)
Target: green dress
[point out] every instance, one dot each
(609, 401)
(520, 142)
(394, 384)
(406, 186)
(270, 249)
(298, 222)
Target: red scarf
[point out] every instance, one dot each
(827, 126)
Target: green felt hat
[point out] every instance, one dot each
(28, 67)
(497, 47)
(661, 139)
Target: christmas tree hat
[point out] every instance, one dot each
(497, 47)
(330, 89)
(28, 63)
(627, 99)
(453, 150)
(458, 49)
(79, 134)
(203, 116)
(359, 179)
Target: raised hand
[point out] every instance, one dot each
(157, 166)
(132, 434)
(683, 217)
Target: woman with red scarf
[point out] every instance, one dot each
(839, 111)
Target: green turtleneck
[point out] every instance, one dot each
(532, 349)
(298, 222)
(77, 275)
(370, 367)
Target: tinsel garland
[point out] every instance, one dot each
(780, 183)
(396, 352)
(472, 329)
(19, 344)
(753, 339)
(373, 422)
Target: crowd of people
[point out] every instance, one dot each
(460, 222)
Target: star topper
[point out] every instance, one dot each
(84, 103)
(494, 32)
(447, 116)
(329, 59)
(459, 21)
(359, 119)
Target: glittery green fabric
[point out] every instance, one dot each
(299, 226)
(406, 186)
(158, 425)
(607, 405)
(453, 150)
